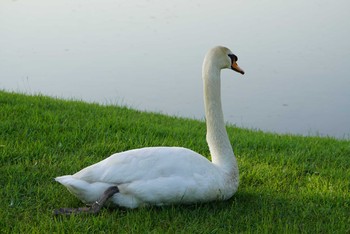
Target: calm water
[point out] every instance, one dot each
(148, 55)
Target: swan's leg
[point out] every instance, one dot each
(94, 209)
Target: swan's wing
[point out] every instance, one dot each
(145, 164)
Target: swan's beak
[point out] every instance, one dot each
(236, 68)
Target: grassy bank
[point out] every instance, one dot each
(288, 183)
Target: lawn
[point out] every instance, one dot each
(288, 183)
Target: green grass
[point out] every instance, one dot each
(288, 183)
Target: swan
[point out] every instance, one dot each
(166, 175)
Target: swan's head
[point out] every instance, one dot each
(222, 58)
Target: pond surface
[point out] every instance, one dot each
(148, 54)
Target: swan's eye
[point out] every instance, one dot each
(233, 57)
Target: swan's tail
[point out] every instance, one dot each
(85, 191)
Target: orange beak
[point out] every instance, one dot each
(236, 68)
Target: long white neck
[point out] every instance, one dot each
(217, 138)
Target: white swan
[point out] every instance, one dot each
(167, 175)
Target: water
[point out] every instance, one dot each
(147, 54)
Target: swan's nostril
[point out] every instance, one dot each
(236, 68)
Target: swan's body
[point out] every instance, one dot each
(168, 175)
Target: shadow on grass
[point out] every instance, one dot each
(246, 211)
